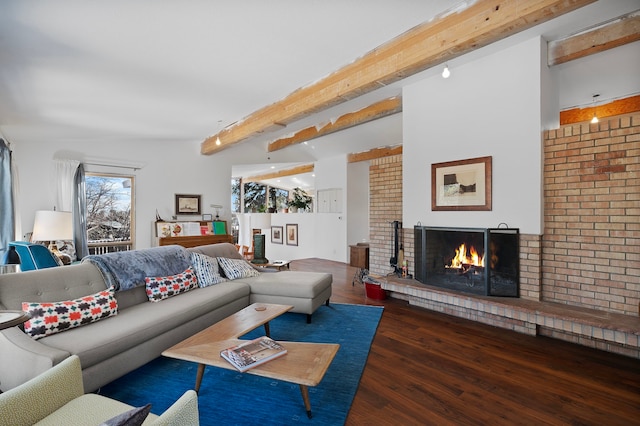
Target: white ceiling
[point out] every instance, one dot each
(101, 71)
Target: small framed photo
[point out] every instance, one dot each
(206, 217)
(188, 204)
(276, 235)
(292, 234)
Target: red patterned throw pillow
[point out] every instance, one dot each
(160, 288)
(53, 317)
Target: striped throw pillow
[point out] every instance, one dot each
(237, 268)
(206, 269)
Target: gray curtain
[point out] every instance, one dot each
(7, 228)
(80, 214)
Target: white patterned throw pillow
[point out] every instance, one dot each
(237, 268)
(206, 269)
(53, 317)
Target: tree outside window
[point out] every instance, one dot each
(255, 197)
(109, 211)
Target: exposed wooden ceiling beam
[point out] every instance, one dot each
(617, 107)
(372, 154)
(305, 168)
(618, 32)
(372, 112)
(441, 39)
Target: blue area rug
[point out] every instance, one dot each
(232, 398)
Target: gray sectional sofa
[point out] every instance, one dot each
(141, 330)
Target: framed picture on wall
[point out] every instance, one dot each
(461, 185)
(276, 235)
(292, 234)
(188, 204)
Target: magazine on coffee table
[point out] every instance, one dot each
(253, 353)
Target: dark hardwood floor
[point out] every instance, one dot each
(430, 368)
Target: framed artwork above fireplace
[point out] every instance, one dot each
(461, 185)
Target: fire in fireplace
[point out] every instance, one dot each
(483, 261)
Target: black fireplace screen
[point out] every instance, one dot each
(482, 261)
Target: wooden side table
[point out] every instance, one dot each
(13, 318)
(359, 258)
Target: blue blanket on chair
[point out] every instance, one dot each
(128, 269)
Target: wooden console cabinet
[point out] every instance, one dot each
(195, 240)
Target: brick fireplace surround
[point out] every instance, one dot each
(580, 280)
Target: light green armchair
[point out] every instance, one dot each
(56, 397)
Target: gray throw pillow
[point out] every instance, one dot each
(133, 417)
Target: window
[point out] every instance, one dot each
(255, 197)
(110, 201)
(281, 199)
(235, 195)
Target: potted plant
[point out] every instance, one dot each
(300, 201)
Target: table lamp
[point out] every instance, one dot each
(51, 226)
(260, 222)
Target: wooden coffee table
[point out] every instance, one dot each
(304, 364)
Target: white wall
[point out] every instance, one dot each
(321, 235)
(307, 231)
(357, 203)
(331, 228)
(488, 107)
(170, 168)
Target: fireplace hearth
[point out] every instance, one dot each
(481, 261)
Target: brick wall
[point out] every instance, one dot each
(385, 183)
(589, 254)
(530, 267)
(591, 241)
(385, 206)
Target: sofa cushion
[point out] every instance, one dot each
(88, 409)
(237, 268)
(144, 321)
(226, 250)
(305, 285)
(160, 288)
(207, 269)
(54, 317)
(45, 285)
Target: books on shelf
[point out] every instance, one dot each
(219, 227)
(252, 353)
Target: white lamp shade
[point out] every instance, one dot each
(52, 226)
(261, 221)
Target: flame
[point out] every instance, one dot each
(462, 258)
